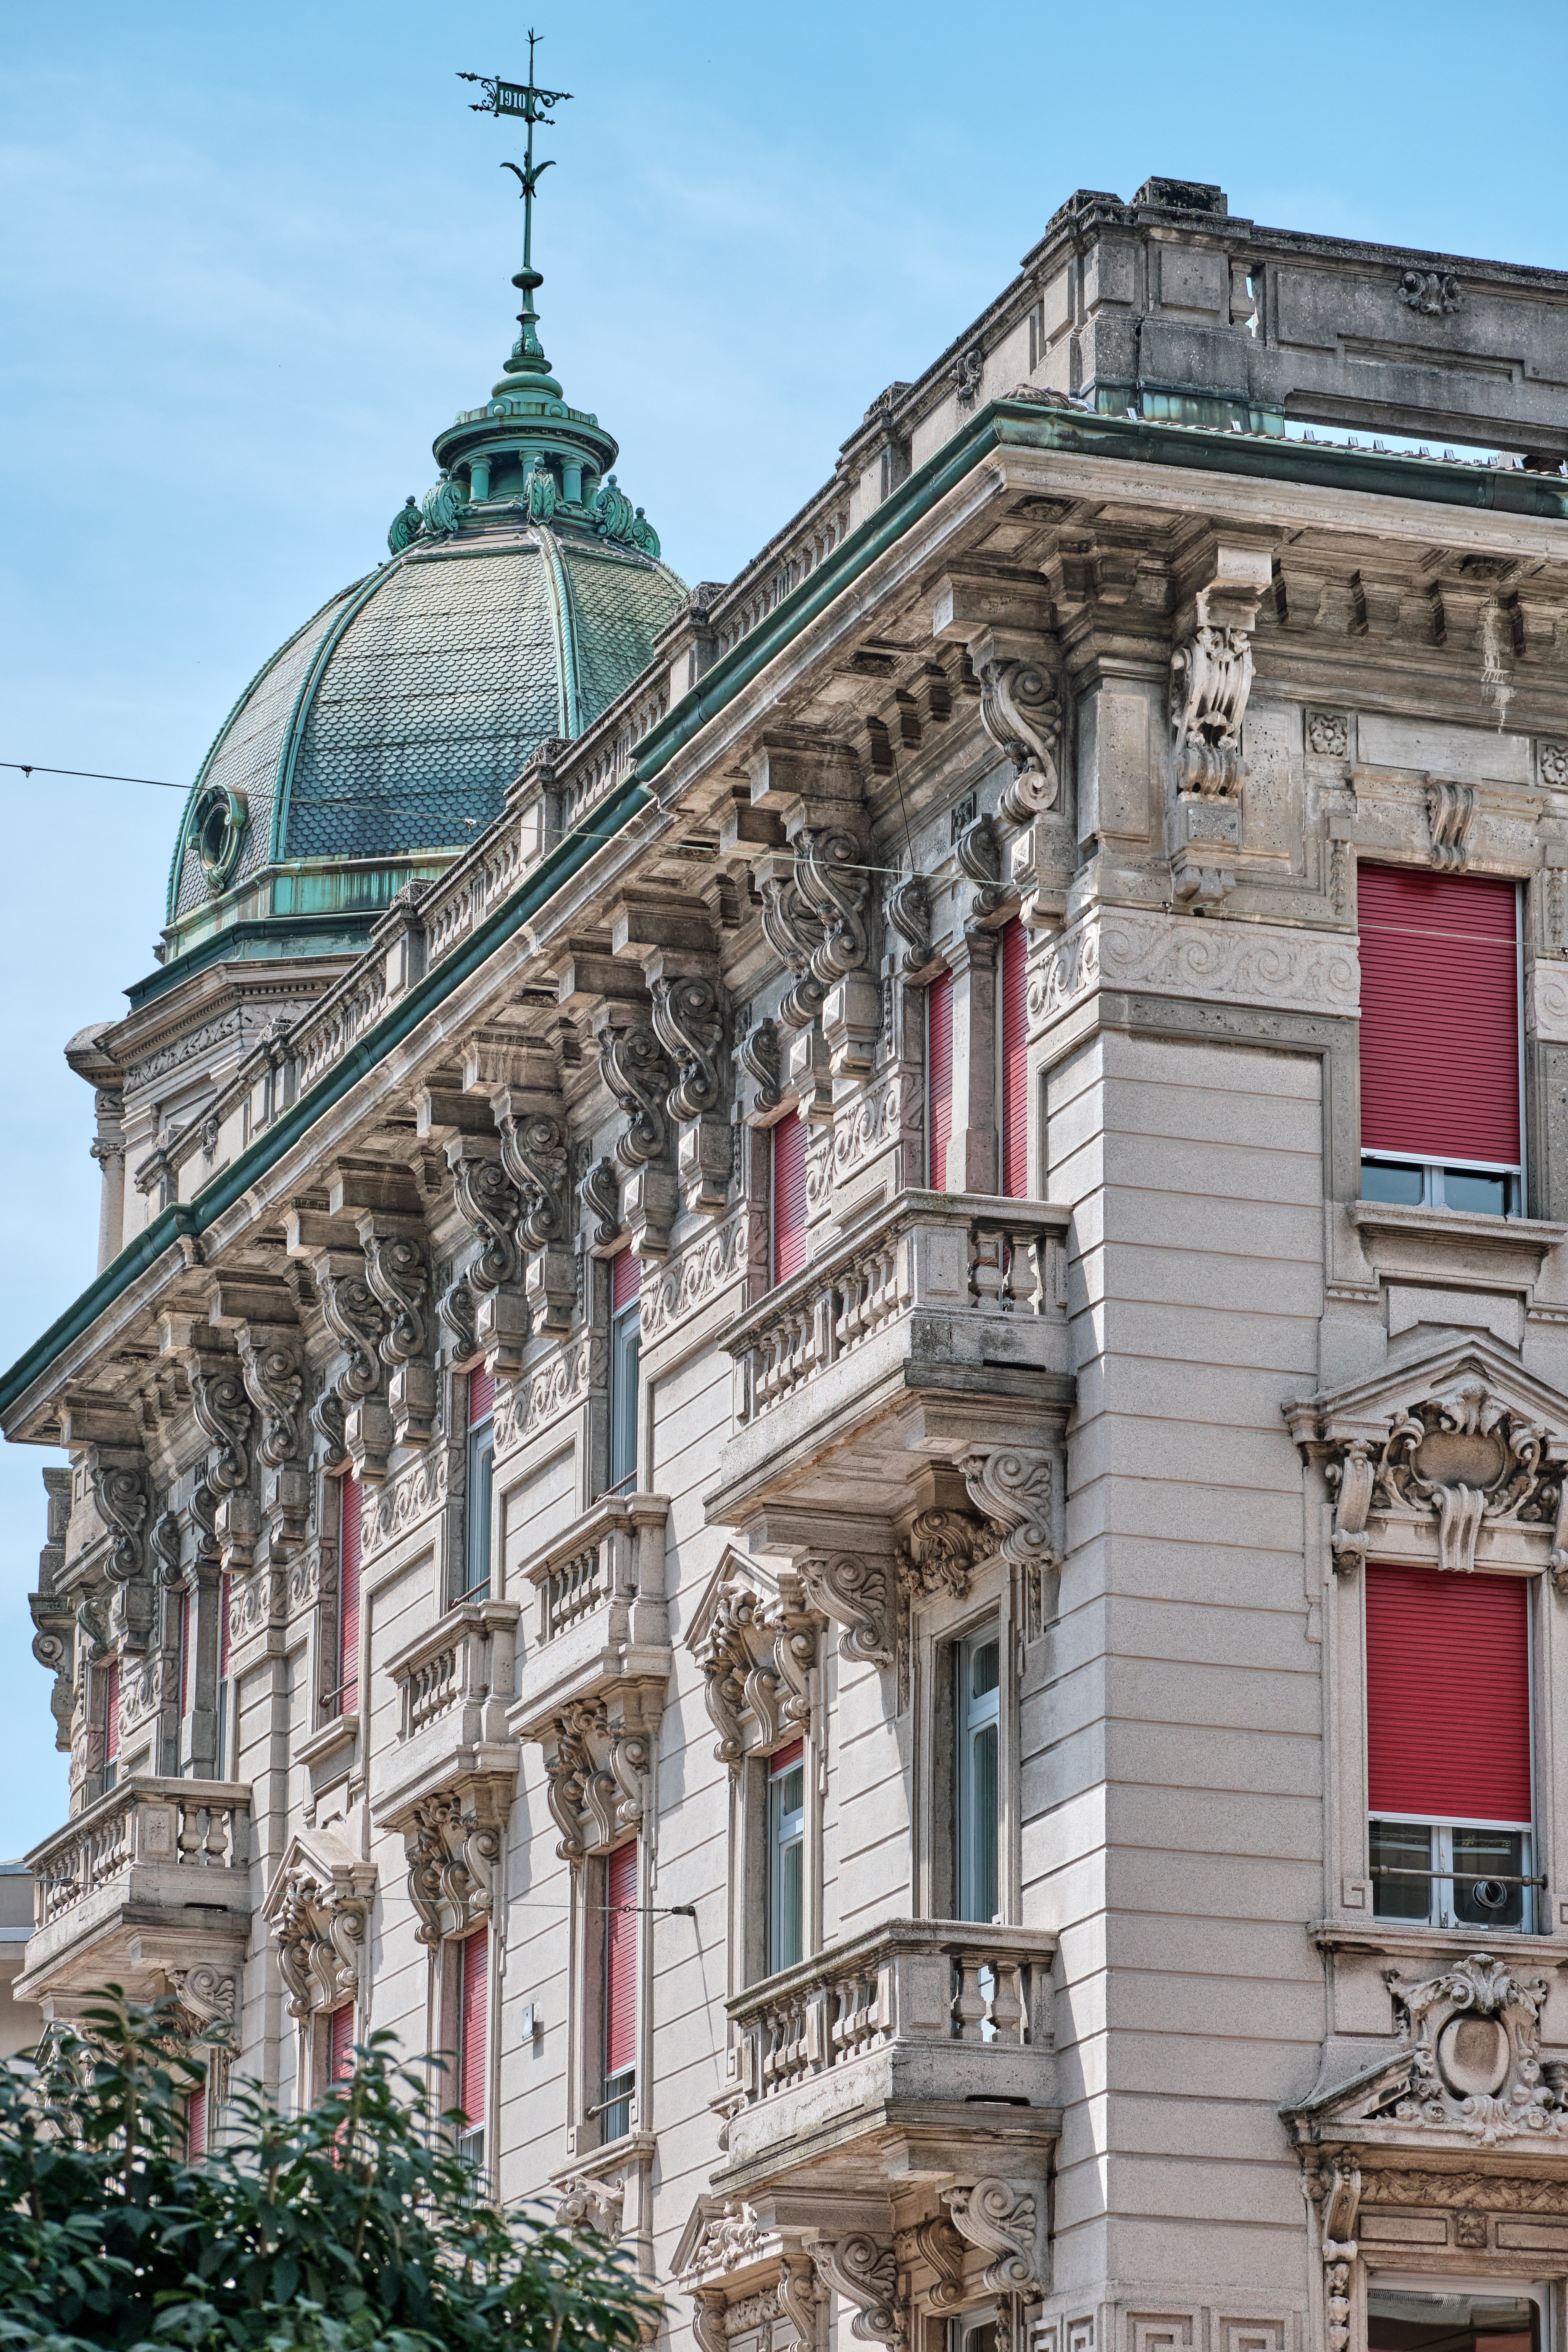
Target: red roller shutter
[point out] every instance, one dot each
(475, 1962)
(789, 1197)
(223, 1633)
(626, 1279)
(786, 1759)
(111, 1711)
(1014, 1063)
(185, 1654)
(341, 2043)
(1447, 1696)
(1439, 1015)
(938, 1079)
(196, 2124)
(352, 1495)
(481, 1397)
(621, 1959)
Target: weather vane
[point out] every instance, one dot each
(526, 101)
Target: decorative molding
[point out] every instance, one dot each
(1436, 293)
(979, 854)
(726, 2240)
(1329, 734)
(275, 1383)
(940, 2246)
(703, 1271)
(1184, 955)
(1211, 677)
(1552, 766)
(1003, 2219)
(757, 1656)
(1474, 2032)
(554, 1386)
(597, 1769)
(831, 872)
(536, 1155)
(1020, 709)
(318, 1911)
(453, 1844)
(1450, 816)
(759, 1056)
(586, 2201)
(402, 1502)
(119, 1487)
(1464, 1455)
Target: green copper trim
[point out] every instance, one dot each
(565, 617)
(1000, 425)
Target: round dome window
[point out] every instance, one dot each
(218, 829)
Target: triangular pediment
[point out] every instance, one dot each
(322, 1856)
(1367, 1408)
(736, 1571)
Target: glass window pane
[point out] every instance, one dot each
(985, 1668)
(626, 1352)
(1493, 1858)
(1404, 2319)
(984, 1883)
(1401, 1865)
(1464, 1188)
(477, 1530)
(1381, 1181)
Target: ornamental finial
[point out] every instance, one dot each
(527, 102)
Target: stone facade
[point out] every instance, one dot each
(1078, 636)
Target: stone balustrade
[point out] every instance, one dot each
(154, 1876)
(600, 1612)
(943, 1293)
(915, 2013)
(455, 1684)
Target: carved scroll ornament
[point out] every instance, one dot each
(399, 1274)
(858, 1594)
(635, 1072)
(223, 1416)
(1002, 2219)
(452, 1858)
(120, 1493)
(276, 1387)
(688, 1016)
(757, 1658)
(1022, 713)
(1474, 2035)
(865, 2271)
(319, 1927)
(597, 1773)
(535, 1153)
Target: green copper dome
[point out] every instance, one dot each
(518, 599)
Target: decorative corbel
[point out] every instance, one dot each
(1021, 711)
(487, 1203)
(636, 1074)
(688, 1016)
(799, 2299)
(979, 854)
(709, 2304)
(759, 1057)
(398, 1271)
(318, 1925)
(793, 931)
(117, 1476)
(596, 1770)
(1350, 1480)
(1339, 2212)
(536, 1154)
(864, 2270)
(1450, 817)
(273, 1371)
(857, 1592)
(600, 1193)
(1004, 2219)
(833, 873)
(357, 1320)
(940, 2248)
(587, 2202)
(1012, 1486)
(1211, 674)
(909, 914)
(223, 1413)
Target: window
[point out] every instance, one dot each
(1013, 1043)
(110, 1724)
(938, 1079)
(976, 1718)
(1440, 1041)
(625, 1353)
(481, 1481)
(973, 2331)
(339, 2039)
(1409, 2316)
(620, 1990)
(352, 1508)
(185, 1656)
(786, 1856)
(1448, 1747)
(789, 1197)
(473, 2010)
(221, 1729)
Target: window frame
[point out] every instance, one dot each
(625, 1418)
(479, 1509)
(939, 1624)
(973, 1718)
(786, 1836)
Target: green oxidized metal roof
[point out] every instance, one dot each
(394, 721)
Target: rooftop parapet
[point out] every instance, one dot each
(1171, 306)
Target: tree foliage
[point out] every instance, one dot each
(352, 2226)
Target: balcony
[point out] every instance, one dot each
(148, 1883)
(922, 2046)
(885, 1347)
(455, 1686)
(601, 1623)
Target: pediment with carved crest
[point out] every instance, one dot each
(1461, 1453)
(757, 1638)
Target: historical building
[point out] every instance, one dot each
(827, 1411)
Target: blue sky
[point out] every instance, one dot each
(256, 256)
